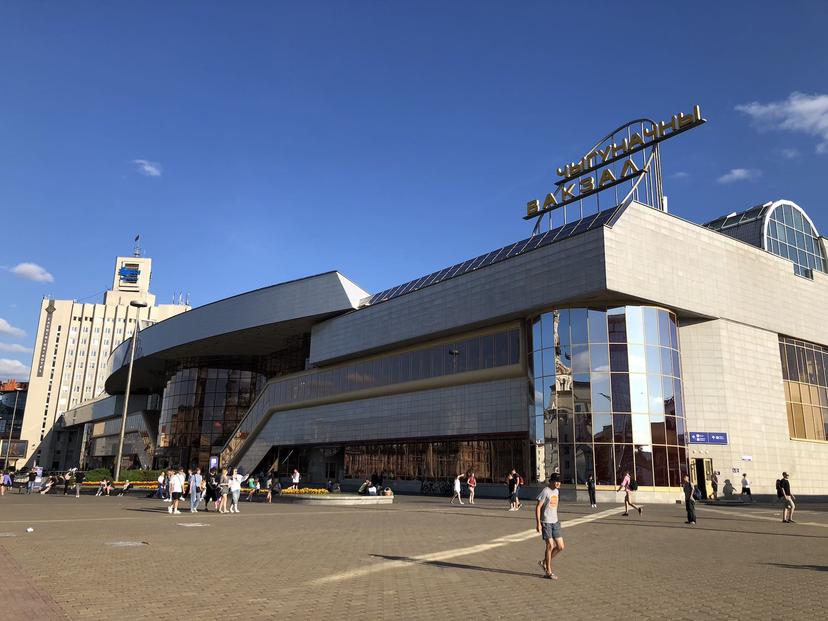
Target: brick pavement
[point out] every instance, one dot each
(273, 561)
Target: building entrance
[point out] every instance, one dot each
(701, 474)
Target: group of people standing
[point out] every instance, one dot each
(222, 488)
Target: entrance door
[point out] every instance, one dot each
(701, 472)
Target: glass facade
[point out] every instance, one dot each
(451, 357)
(607, 395)
(490, 460)
(790, 235)
(103, 436)
(805, 375)
(201, 407)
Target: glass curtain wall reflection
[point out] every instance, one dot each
(607, 395)
(201, 407)
(805, 374)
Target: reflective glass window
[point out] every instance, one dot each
(567, 458)
(650, 318)
(635, 324)
(622, 426)
(618, 358)
(638, 393)
(620, 392)
(604, 464)
(658, 431)
(660, 469)
(597, 320)
(637, 358)
(599, 358)
(617, 325)
(644, 464)
(584, 462)
(580, 358)
(624, 462)
(602, 427)
(578, 325)
(601, 392)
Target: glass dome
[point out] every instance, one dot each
(790, 233)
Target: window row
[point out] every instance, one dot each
(619, 428)
(616, 392)
(661, 466)
(624, 324)
(490, 460)
(803, 362)
(472, 354)
(807, 422)
(603, 358)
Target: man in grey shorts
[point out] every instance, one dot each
(548, 525)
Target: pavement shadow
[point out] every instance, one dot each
(701, 528)
(808, 567)
(447, 565)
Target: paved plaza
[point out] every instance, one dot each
(127, 558)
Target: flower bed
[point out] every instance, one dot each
(305, 490)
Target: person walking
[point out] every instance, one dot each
(67, 478)
(627, 485)
(548, 524)
(235, 490)
(176, 491)
(195, 490)
(714, 483)
(224, 489)
(746, 488)
(787, 500)
(160, 490)
(689, 501)
(512, 483)
(211, 490)
(472, 483)
(457, 488)
(79, 477)
(5, 483)
(295, 479)
(30, 484)
(591, 490)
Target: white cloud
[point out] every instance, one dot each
(15, 348)
(740, 174)
(150, 169)
(7, 328)
(789, 154)
(32, 271)
(13, 369)
(680, 174)
(803, 113)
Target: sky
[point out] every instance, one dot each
(253, 143)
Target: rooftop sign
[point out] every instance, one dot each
(627, 155)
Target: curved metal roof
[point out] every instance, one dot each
(240, 328)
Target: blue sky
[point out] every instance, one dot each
(252, 143)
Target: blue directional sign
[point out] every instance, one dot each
(708, 437)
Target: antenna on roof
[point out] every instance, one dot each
(136, 251)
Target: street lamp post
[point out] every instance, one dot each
(137, 305)
(11, 429)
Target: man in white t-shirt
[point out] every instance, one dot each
(176, 490)
(548, 524)
(295, 479)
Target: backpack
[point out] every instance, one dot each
(697, 493)
(779, 488)
(633, 485)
